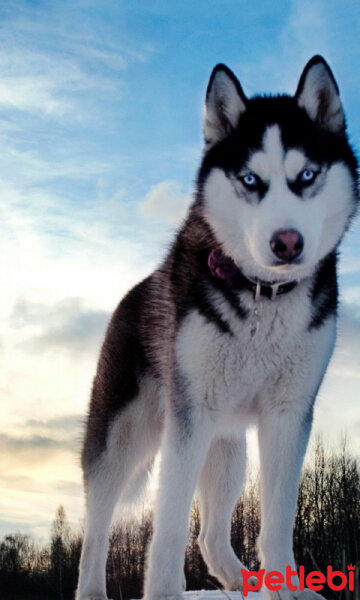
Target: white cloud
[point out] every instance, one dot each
(351, 294)
(43, 83)
(58, 77)
(65, 273)
(68, 324)
(71, 250)
(308, 21)
(31, 94)
(308, 30)
(350, 248)
(350, 265)
(36, 168)
(40, 469)
(166, 202)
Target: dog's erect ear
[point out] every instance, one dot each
(225, 101)
(318, 94)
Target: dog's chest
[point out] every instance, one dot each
(230, 370)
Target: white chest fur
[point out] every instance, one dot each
(229, 373)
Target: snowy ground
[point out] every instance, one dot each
(221, 595)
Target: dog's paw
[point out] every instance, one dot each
(237, 584)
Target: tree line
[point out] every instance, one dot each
(327, 531)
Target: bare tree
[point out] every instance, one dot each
(327, 531)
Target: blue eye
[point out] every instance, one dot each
(250, 181)
(307, 176)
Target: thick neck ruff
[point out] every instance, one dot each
(223, 267)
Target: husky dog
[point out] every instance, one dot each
(236, 327)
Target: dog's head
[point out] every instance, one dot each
(278, 180)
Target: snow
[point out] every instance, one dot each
(221, 595)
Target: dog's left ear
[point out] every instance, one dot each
(225, 101)
(318, 94)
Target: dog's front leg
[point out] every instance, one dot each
(283, 437)
(187, 438)
(284, 428)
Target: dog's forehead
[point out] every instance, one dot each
(274, 158)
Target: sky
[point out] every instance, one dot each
(101, 106)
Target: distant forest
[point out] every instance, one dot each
(327, 531)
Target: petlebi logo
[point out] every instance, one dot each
(315, 580)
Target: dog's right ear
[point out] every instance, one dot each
(225, 102)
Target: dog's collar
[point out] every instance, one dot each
(223, 267)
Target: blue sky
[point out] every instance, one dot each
(101, 109)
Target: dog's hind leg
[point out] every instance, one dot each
(218, 490)
(103, 490)
(133, 439)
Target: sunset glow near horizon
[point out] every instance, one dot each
(101, 133)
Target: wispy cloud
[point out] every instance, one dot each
(65, 423)
(165, 203)
(40, 469)
(50, 85)
(49, 59)
(67, 323)
(38, 440)
(98, 147)
(345, 364)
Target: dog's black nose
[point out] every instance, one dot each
(287, 244)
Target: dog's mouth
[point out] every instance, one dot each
(286, 265)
